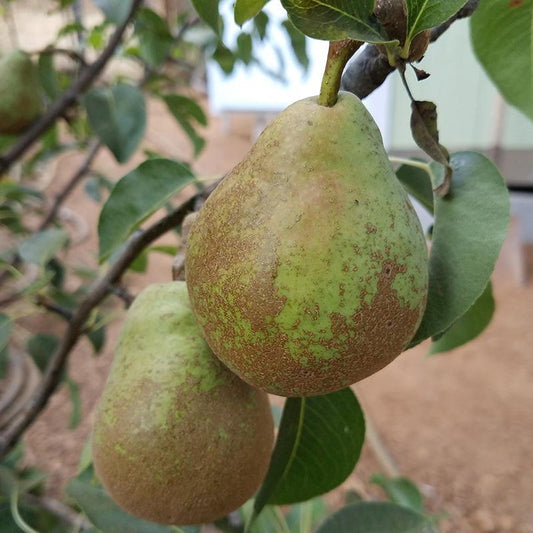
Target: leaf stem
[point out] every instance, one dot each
(338, 55)
(416, 164)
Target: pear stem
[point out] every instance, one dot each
(338, 55)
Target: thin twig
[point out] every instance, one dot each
(50, 50)
(99, 290)
(45, 303)
(59, 509)
(368, 70)
(69, 97)
(80, 173)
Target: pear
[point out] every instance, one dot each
(20, 93)
(178, 439)
(307, 266)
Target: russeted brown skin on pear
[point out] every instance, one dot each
(178, 438)
(20, 93)
(307, 266)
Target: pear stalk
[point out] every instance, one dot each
(339, 54)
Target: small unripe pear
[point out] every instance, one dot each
(20, 93)
(178, 439)
(307, 266)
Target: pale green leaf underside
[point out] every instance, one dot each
(502, 37)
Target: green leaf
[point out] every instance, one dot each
(187, 111)
(306, 516)
(502, 37)
(224, 57)
(470, 226)
(115, 11)
(417, 183)
(41, 347)
(106, 515)
(42, 246)
(376, 517)
(247, 9)
(6, 328)
(244, 47)
(425, 14)
(400, 490)
(97, 339)
(334, 20)
(48, 76)
(298, 43)
(135, 197)
(154, 35)
(118, 117)
(318, 445)
(469, 326)
(261, 21)
(208, 12)
(74, 392)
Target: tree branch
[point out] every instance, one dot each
(71, 184)
(366, 72)
(100, 289)
(69, 97)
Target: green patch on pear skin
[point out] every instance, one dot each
(173, 420)
(306, 253)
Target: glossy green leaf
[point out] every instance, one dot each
(106, 515)
(502, 37)
(298, 43)
(41, 347)
(187, 112)
(334, 20)
(400, 490)
(318, 445)
(42, 246)
(425, 14)
(118, 117)
(135, 197)
(376, 517)
(115, 11)
(417, 183)
(469, 326)
(247, 9)
(470, 226)
(208, 12)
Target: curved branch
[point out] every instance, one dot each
(69, 97)
(366, 72)
(99, 290)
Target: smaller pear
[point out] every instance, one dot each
(178, 439)
(20, 93)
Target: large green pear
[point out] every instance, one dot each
(20, 92)
(178, 438)
(307, 267)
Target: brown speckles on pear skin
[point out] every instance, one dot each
(178, 439)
